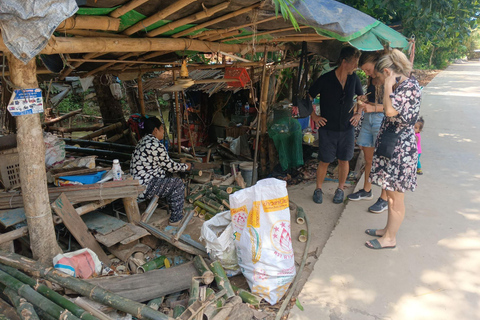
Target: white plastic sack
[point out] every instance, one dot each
(82, 263)
(218, 235)
(261, 225)
(54, 149)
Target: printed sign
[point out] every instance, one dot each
(26, 101)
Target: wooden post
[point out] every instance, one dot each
(263, 126)
(260, 116)
(131, 209)
(140, 95)
(31, 150)
(179, 119)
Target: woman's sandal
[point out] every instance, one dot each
(374, 244)
(373, 233)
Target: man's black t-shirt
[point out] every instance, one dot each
(335, 102)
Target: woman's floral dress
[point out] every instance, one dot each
(400, 172)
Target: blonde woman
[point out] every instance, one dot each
(395, 172)
(373, 116)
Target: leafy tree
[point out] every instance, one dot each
(443, 28)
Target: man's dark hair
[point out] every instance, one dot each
(347, 53)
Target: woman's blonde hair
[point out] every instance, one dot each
(396, 61)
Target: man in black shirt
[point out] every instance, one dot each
(337, 118)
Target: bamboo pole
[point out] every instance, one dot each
(179, 118)
(158, 16)
(84, 288)
(207, 12)
(13, 235)
(194, 290)
(206, 34)
(48, 293)
(200, 67)
(105, 45)
(178, 310)
(31, 150)
(205, 207)
(260, 116)
(88, 33)
(65, 116)
(83, 303)
(24, 308)
(300, 215)
(76, 129)
(117, 13)
(101, 131)
(221, 279)
(34, 297)
(90, 23)
(121, 61)
(107, 65)
(156, 303)
(264, 33)
(217, 20)
(224, 35)
(203, 270)
(69, 70)
(156, 263)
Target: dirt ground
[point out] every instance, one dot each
(425, 76)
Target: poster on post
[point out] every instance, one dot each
(26, 101)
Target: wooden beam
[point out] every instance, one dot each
(135, 45)
(140, 95)
(126, 8)
(90, 23)
(13, 235)
(31, 151)
(217, 20)
(157, 16)
(195, 17)
(179, 118)
(206, 34)
(65, 210)
(264, 33)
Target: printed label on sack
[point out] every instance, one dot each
(256, 242)
(259, 275)
(275, 204)
(262, 291)
(281, 240)
(254, 215)
(239, 217)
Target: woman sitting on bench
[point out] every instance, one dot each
(152, 166)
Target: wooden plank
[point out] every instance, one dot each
(114, 237)
(131, 209)
(11, 217)
(80, 193)
(138, 233)
(8, 310)
(151, 284)
(12, 235)
(102, 223)
(77, 227)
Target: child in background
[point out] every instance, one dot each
(418, 129)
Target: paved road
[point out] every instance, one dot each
(434, 273)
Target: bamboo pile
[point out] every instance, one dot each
(208, 200)
(211, 295)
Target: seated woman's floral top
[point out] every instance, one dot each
(150, 160)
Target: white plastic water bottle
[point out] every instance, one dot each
(247, 108)
(116, 170)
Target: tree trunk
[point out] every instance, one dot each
(110, 108)
(131, 97)
(31, 149)
(431, 57)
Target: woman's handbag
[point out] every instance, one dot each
(387, 143)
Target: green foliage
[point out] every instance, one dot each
(285, 7)
(443, 28)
